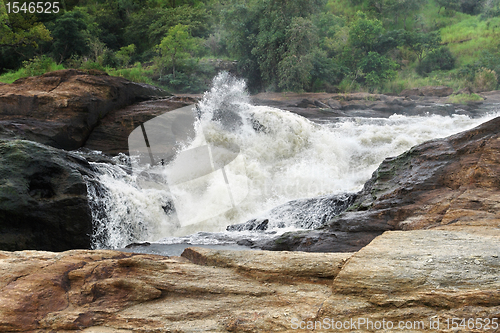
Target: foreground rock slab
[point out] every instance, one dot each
(110, 290)
(407, 278)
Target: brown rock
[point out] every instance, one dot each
(411, 92)
(111, 133)
(412, 277)
(45, 291)
(291, 264)
(440, 182)
(439, 91)
(62, 108)
(429, 91)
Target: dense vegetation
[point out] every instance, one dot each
(277, 45)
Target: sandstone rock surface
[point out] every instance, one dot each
(410, 277)
(61, 108)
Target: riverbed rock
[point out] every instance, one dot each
(411, 277)
(433, 91)
(61, 108)
(43, 198)
(450, 183)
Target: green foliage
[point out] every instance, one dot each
(36, 66)
(123, 56)
(39, 65)
(136, 73)
(70, 38)
(377, 69)
(295, 67)
(438, 59)
(365, 33)
(485, 80)
(447, 5)
(176, 46)
(20, 29)
(422, 42)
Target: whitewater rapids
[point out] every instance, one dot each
(282, 157)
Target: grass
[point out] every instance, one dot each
(469, 38)
(408, 79)
(12, 76)
(135, 74)
(464, 98)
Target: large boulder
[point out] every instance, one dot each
(450, 183)
(61, 108)
(43, 198)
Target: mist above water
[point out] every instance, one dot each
(281, 157)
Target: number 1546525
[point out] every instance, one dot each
(32, 7)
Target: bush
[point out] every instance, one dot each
(485, 80)
(377, 69)
(438, 59)
(183, 83)
(39, 65)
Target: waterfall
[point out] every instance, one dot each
(237, 162)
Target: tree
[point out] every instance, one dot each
(294, 69)
(20, 29)
(176, 46)
(70, 37)
(447, 5)
(377, 68)
(422, 42)
(123, 56)
(365, 33)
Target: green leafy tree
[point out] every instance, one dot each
(70, 36)
(437, 59)
(377, 68)
(294, 69)
(123, 56)
(422, 42)
(176, 46)
(21, 29)
(365, 33)
(447, 5)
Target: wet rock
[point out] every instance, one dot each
(61, 108)
(43, 198)
(301, 213)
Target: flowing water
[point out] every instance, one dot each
(277, 156)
